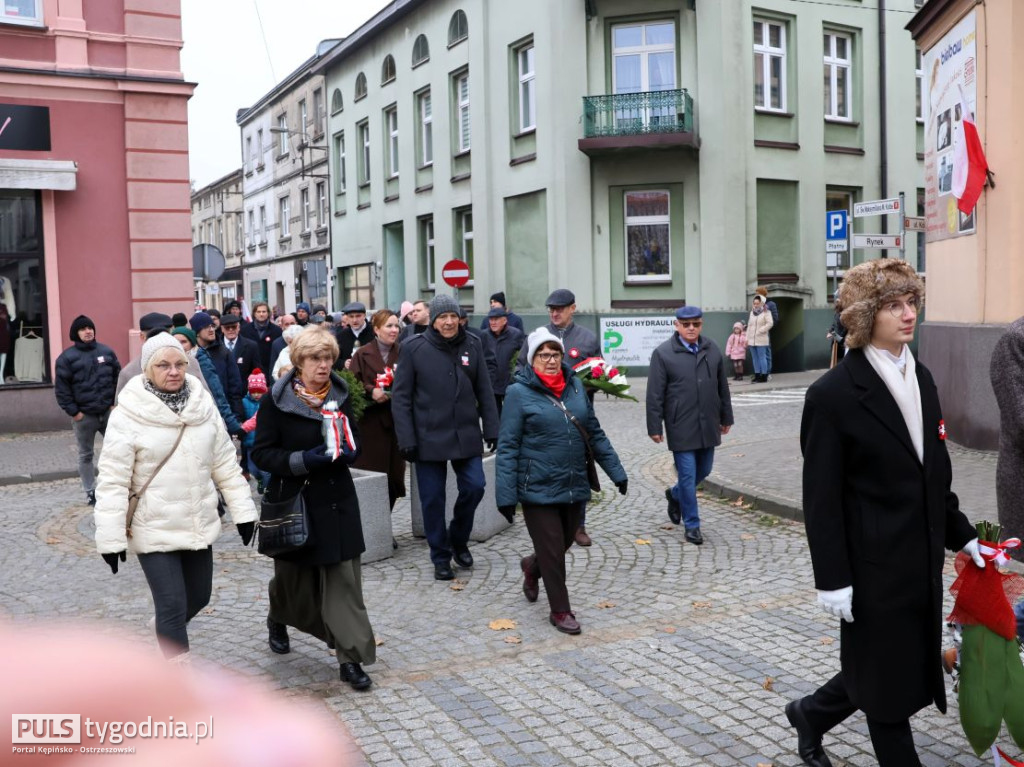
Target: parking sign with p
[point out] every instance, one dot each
(835, 225)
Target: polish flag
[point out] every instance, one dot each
(970, 168)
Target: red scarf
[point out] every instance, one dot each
(554, 382)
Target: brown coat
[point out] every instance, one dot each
(380, 445)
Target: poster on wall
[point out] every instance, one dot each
(632, 340)
(950, 69)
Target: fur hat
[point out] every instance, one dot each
(866, 287)
(537, 339)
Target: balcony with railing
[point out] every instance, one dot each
(632, 121)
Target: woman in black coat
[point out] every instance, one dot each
(880, 514)
(318, 589)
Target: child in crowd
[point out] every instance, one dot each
(736, 350)
(251, 403)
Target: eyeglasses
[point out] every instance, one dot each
(897, 308)
(548, 356)
(164, 367)
(689, 323)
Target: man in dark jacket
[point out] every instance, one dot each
(688, 389)
(301, 313)
(419, 317)
(507, 341)
(264, 332)
(86, 385)
(227, 369)
(486, 343)
(242, 350)
(498, 302)
(354, 332)
(441, 391)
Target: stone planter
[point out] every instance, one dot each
(487, 522)
(374, 513)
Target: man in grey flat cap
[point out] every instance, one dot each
(355, 332)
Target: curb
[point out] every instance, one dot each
(46, 476)
(762, 502)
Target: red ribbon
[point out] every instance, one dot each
(1008, 760)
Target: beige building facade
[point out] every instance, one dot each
(218, 220)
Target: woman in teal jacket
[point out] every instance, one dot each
(542, 465)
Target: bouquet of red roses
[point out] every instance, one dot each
(385, 379)
(597, 374)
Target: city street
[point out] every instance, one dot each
(687, 657)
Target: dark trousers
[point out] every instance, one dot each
(893, 741)
(499, 400)
(181, 582)
(552, 530)
(431, 477)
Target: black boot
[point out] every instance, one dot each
(353, 674)
(278, 637)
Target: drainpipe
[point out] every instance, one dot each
(883, 157)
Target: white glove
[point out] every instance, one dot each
(971, 550)
(838, 603)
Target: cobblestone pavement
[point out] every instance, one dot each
(687, 657)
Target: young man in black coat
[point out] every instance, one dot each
(507, 341)
(264, 332)
(85, 384)
(354, 332)
(227, 369)
(442, 390)
(880, 514)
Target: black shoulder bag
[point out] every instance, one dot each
(595, 483)
(284, 525)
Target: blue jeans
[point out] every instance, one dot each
(692, 468)
(431, 478)
(768, 359)
(263, 477)
(759, 354)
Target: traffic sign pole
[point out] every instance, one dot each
(903, 227)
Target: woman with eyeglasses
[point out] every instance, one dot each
(880, 515)
(542, 465)
(166, 445)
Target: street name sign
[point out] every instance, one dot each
(878, 241)
(913, 224)
(455, 273)
(876, 208)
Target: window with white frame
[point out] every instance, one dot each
(464, 237)
(307, 211)
(263, 223)
(318, 111)
(769, 65)
(259, 148)
(285, 211)
(427, 249)
(339, 169)
(462, 111)
(644, 57)
(321, 204)
(28, 12)
(919, 89)
(303, 115)
(250, 158)
(391, 126)
(648, 235)
(838, 76)
(364, 152)
(527, 92)
(282, 137)
(425, 110)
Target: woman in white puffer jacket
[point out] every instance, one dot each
(176, 521)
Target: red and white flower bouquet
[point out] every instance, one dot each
(596, 373)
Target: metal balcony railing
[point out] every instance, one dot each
(638, 114)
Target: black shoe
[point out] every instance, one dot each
(278, 637)
(693, 536)
(90, 497)
(808, 742)
(353, 674)
(674, 512)
(394, 543)
(462, 557)
(443, 573)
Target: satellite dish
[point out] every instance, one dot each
(207, 262)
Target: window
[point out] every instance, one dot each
(263, 223)
(458, 28)
(921, 251)
(427, 250)
(644, 57)
(282, 138)
(250, 158)
(838, 87)
(307, 212)
(321, 204)
(360, 86)
(220, 234)
(29, 12)
(464, 238)
(420, 50)
(391, 126)
(648, 240)
(387, 70)
(252, 228)
(462, 111)
(357, 285)
(285, 210)
(426, 115)
(919, 77)
(339, 171)
(259, 148)
(364, 154)
(769, 65)
(336, 103)
(303, 115)
(837, 262)
(527, 93)
(318, 111)
(23, 287)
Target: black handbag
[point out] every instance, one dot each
(592, 478)
(284, 525)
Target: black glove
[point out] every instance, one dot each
(508, 512)
(246, 529)
(492, 445)
(316, 458)
(111, 559)
(240, 434)
(623, 485)
(408, 453)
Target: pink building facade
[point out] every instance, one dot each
(94, 185)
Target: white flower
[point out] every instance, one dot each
(619, 380)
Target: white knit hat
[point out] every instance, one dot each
(537, 339)
(158, 342)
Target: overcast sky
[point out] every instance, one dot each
(225, 55)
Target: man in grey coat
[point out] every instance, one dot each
(688, 390)
(441, 392)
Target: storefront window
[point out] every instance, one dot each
(23, 331)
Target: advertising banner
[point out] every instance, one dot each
(630, 341)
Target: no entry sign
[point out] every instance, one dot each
(455, 273)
